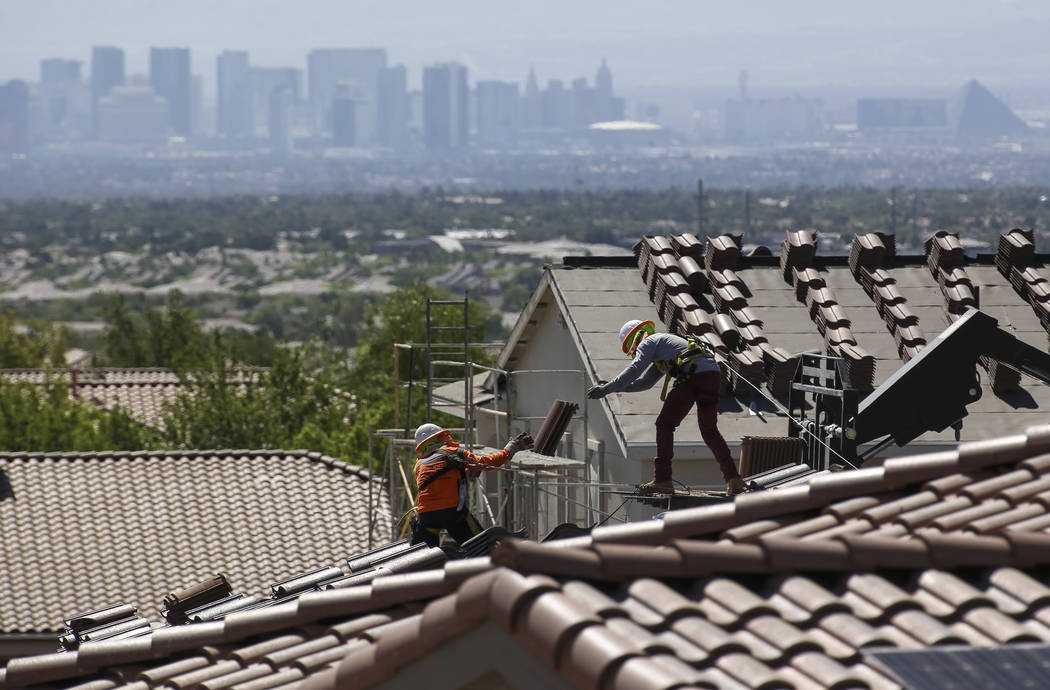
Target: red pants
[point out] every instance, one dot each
(701, 389)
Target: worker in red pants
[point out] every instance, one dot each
(690, 363)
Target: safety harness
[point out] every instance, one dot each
(453, 461)
(684, 365)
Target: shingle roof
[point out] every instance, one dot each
(781, 588)
(79, 530)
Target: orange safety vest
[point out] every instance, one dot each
(442, 476)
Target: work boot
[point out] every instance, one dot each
(664, 486)
(735, 486)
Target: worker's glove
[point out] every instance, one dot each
(596, 392)
(520, 442)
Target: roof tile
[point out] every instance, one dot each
(549, 624)
(793, 554)
(702, 556)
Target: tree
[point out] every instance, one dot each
(43, 418)
(36, 346)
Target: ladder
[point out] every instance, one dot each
(447, 348)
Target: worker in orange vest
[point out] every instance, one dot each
(441, 474)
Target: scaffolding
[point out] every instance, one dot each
(532, 492)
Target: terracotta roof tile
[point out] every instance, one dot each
(224, 497)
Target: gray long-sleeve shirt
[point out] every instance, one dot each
(642, 373)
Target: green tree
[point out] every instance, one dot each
(43, 418)
(37, 345)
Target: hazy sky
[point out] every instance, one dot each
(647, 42)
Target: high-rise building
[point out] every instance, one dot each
(59, 70)
(14, 117)
(344, 116)
(107, 71)
(132, 115)
(392, 129)
(282, 101)
(557, 106)
(236, 111)
(603, 94)
(265, 82)
(169, 76)
(531, 106)
(498, 113)
(359, 70)
(445, 115)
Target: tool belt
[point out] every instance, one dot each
(684, 365)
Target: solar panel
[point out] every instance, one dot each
(1012, 667)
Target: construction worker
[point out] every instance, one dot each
(696, 380)
(441, 473)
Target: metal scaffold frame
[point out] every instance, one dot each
(534, 493)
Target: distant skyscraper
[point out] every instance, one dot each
(557, 106)
(58, 70)
(282, 100)
(266, 81)
(392, 129)
(169, 75)
(14, 117)
(445, 102)
(344, 115)
(497, 113)
(358, 69)
(236, 114)
(603, 94)
(107, 71)
(531, 107)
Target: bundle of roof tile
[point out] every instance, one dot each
(797, 251)
(1016, 249)
(860, 364)
(746, 365)
(870, 250)
(780, 366)
(871, 279)
(694, 273)
(805, 278)
(722, 252)
(944, 250)
(554, 426)
(687, 245)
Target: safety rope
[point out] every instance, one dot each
(802, 428)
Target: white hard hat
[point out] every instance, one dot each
(425, 432)
(629, 329)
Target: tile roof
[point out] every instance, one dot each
(82, 529)
(875, 308)
(141, 392)
(790, 587)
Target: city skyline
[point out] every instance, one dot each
(673, 43)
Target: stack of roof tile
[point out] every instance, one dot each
(789, 587)
(693, 322)
(1002, 378)
(746, 364)
(944, 250)
(805, 278)
(722, 252)
(726, 330)
(1016, 249)
(687, 244)
(780, 366)
(860, 364)
(695, 274)
(797, 251)
(870, 250)
(554, 426)
(872, 279)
